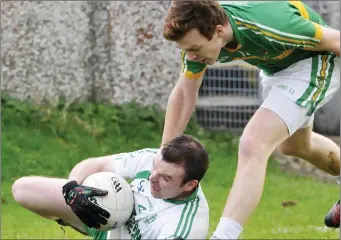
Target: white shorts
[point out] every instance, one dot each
(296, 92)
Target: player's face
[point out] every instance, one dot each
(166, 180)
(199, 48)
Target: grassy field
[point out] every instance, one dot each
(41, 141)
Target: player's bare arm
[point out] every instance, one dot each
(48, 197)
(90, 166)
(76, 194)
(181, 105)
(330, 41)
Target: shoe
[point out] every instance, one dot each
(332, 219)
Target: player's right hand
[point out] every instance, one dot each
(78, 197)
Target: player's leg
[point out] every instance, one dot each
(277, 119)
(43, 196)
(318, 150)
(321, 152)
(264, 132)
(315, 148)
(291, 95)
(306, 144)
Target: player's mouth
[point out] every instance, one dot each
(154, 188)
(203, 60)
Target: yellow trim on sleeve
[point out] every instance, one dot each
(300, 6)
(194, 76)
(303, 11)
(318, 32)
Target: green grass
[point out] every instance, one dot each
(271, 219)
(38, 141)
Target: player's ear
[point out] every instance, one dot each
(219, 29)
(191, 185)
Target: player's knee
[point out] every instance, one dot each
(18, 189)
(251, 150)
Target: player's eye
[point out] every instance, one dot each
(192, 50)
(166, 178)
(197, 49)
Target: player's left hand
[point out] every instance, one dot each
(78, 197)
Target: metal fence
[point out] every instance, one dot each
(228, 96)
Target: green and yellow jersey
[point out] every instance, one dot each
(271, 35)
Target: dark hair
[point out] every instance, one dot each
(189, 152)
(185, 15)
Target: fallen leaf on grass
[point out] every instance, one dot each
(289, 203)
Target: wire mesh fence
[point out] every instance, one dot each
(228, 96)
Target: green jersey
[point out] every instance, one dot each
(271, 35)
